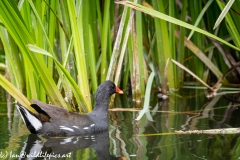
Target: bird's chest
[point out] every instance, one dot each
(100, 123)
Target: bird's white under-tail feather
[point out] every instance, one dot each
(27, 116)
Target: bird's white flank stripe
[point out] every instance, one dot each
(92, 125)
(75, 126)
(85, 127)
(66, 128)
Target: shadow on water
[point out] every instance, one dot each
(140, 140)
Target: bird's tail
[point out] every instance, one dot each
(31, 120)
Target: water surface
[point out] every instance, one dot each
(131, 139)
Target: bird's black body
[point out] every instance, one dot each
(55, 121)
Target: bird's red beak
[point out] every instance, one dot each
(119, 91)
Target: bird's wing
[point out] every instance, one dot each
(59, 115)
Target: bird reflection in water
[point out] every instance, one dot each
(37, 147)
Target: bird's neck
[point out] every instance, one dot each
(101, 107)
(100, 114)
(101, 103)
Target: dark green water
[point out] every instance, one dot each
(131, 139)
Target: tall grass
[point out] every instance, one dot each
(60, 51)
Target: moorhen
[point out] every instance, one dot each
(55, 121)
